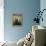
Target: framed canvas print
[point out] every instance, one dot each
(17, 19)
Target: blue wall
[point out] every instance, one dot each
(28, 9)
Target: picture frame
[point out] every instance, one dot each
(17, 20)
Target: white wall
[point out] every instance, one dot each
(1, 21)
(43, 6)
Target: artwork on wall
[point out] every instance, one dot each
(39, 16)
(17, 19)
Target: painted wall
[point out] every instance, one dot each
(28, 9)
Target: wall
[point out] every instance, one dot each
(28, 9)
(43, 6)
(1, 21)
